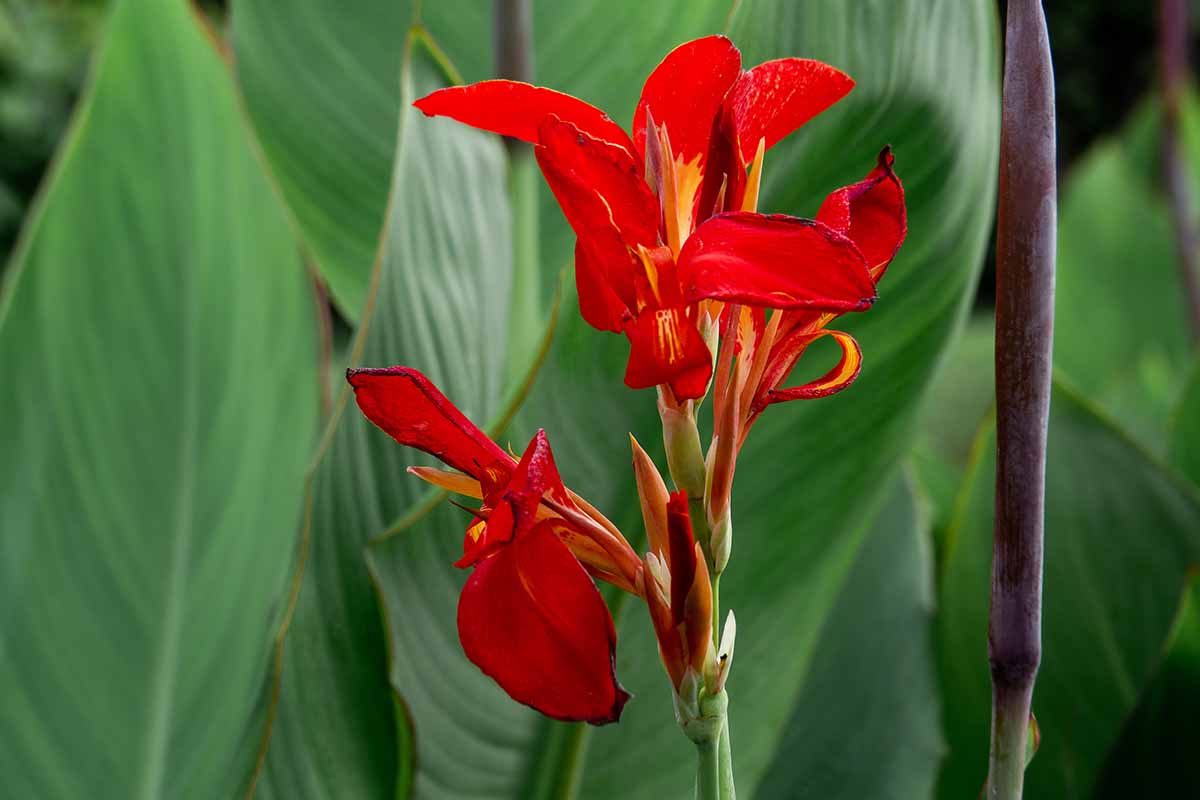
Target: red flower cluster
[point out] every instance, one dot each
(665, 222)
(670, 252)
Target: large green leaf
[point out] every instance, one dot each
(866, 724)
(320, 85)
(1120, 329)
(440, 305)
(1185, 429)
(1156, 754)
(802, 511)
(1121, 532)
(159, 406)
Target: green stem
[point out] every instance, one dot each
(708, 731)
(1010, 730)
(726, 766)
(708, 770)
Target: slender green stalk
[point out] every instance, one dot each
(725, 755)
(1025, 248)
(708, 770)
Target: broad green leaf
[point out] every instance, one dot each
(320, 85)
(440, 305)
(1120, 330)
(1156, 754)
(1184, 441)
(1121, 531)
(866, 724)
(811, 477)
(962, 392)
(160, 402)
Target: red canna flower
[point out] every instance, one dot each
(529, 616)
(758, 354)
(667, 234)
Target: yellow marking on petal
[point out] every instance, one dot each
(667, 200)
(450, 481)
(651, 272)
(476, 529)
(667, 334)
(750, 197)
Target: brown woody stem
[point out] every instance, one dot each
(1025, 250)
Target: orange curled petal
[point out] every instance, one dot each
(832, 382)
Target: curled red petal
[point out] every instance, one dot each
(685, 92)
(842, 375)
(533, 621)
(777, 97)
(666, 347)
(682, 555)
(871, 212)
(516, 109)
(774, 261)
(409, 408)
(604, 169)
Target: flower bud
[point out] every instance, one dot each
(653, 495)
(681, 437)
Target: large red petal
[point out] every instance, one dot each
(666, 347)
(774, 261)
(871, 212)
(410, 409)
(532, 620)
(516, 109)
(684, 93)
(605, 169)
(777, 97)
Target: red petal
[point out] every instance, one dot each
(604, 169)
(666, 347)
(682, 556)
(516, 109)
(832, 382)
(410, 409)
(598, 303)
(532, 620)
(516, 506)
(774, 261)
(777, 97)
(871, 213)
(724, 171)
(684, 93)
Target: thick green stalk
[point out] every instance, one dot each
(714, 774)
(708, 770)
